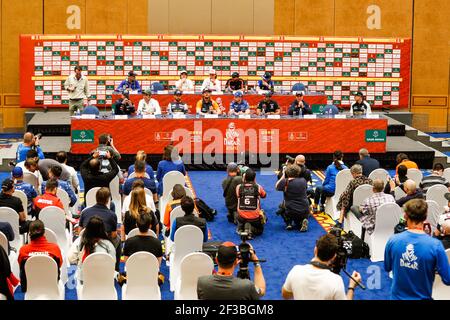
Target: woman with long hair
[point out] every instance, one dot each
(329, 184)
(178, 192)
(171, 162)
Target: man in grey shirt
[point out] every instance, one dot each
(224, 286)
(45, 164)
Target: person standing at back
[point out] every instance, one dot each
(171, 162)
(368, 164)
(77, 85)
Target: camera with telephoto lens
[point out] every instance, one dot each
(343, 253)
(290, 160)
(38, 135)
(244, 254)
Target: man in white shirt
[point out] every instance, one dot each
(316, 281)
(212, 83)
(78, 87)
(360, 106)
(184, 84)
(61, 157)
(148, 105)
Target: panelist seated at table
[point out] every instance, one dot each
(239, 105)
(207, 105)
(184, 84)
(148, 105)
(130, 84)
(299, 107)
(235, 83)
(330, 110)
(123, 106)
(266, 83)
(267, 105)
(360, 107)
(212, 82)
(177, 106)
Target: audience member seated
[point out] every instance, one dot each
(265, 83)
(251, 218)
(436, 177)
(8, 281)
(10, 201)
(137, 207)
(295, 199)
(177, 106)
(142, 156)
(37, 246)
(235, 83)
(366, 213)
(398, 181)
(224, 286)
(184, 84)
(442, 233)
(7, 230)
(54, 174)
(44, 166)
(28, 189)
(91, 109)
(329, 184)
(178, 192)
(206, 105)
(346, 198)
(402, 159)
(30, 142)
(148, 199)
(130, 84)
(139, 174)
(171, 162)
(299, 107)
(93, 239)
(414, 257)
(47, 199)
(143, 241)
(90, 172)
(315, 280)
(229, 185)
(61, 157)
(109, 218)
(368, 164)
(411, 192)
(360, 107)
(239, 105)
(330, 110)
(148, 105)
(212, 83)
(267, 105)
(189, 218)
(30, 165)
(123, 106)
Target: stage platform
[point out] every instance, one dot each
(55, 127)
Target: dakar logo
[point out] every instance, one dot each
(231, 136)
(375, 134)
(82, 134)
(409, 259)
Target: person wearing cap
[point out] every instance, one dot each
(123, 106)
(239, 105)
(130, 84)
(223, 285)
(206, 105)
(39, 245)
(265, 83)
(235, 83)
(299, 106)
(77, 85)
(330, 110)
(177, 106)
(229, 185)
(184, 84)
(8, 200)
(148, 105)
(212, 82)
(28, 189)
(30, 142)
(267, 105)
(360, 106)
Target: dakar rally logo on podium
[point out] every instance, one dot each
(231, 140)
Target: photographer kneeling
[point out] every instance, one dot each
(316, 281)
(224, 286)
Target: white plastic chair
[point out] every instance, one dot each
(343, 178)
(33, 180)
(351, 222)
(433, 214)
(399, 193)
(142, 277)
(65, 199)
(415, 174)
(176, 213)
(134, 175)
(170, 179)
(447, 174)
(135, 232)
(437, 194)
(387, 217)
(23, 198)
(90, 197)
(193, 266)
(188, 239)
(114, 187)
(440, 290)
(54, 218)
(12, 217)
(98, 278)
(379, 174)
(42, 279)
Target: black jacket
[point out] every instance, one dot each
(97, 179)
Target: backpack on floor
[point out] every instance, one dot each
(204, 210)
(358, 248)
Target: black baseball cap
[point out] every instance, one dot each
(235, 75)
(132, 74)
(206, 90)
(178, 93)
(359, 93)
(227, 253)
(7, 184)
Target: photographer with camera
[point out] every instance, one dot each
(316, 281)
(223, 285)
(229, 185)
(91, 174)
(30, 142)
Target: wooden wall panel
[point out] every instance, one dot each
(13, 117)
(56, 16)
(263, 17)
(137, 17)
(106, 16)
(232, 17)
(189, 17)
(158, 16)
(437, 117)
(284, 17)
(314, 17)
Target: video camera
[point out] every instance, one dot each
(244, 253)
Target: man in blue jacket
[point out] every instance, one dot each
(368, 164)
(129, 84)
